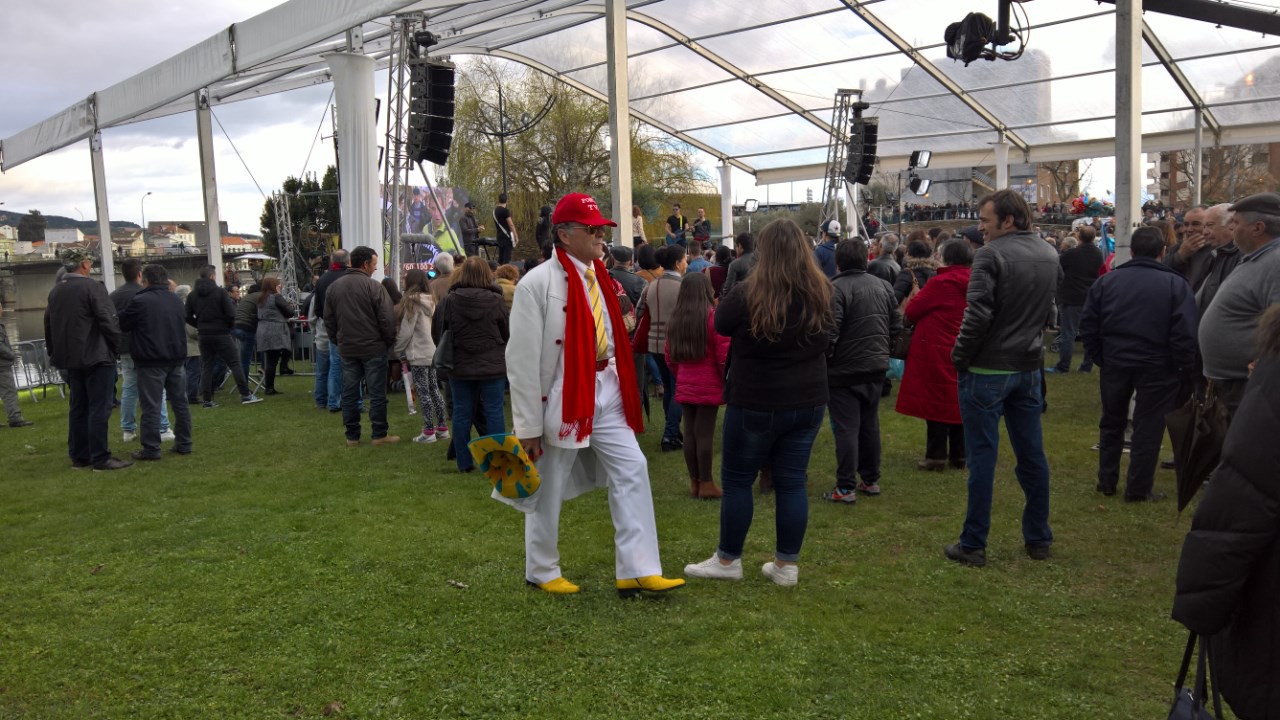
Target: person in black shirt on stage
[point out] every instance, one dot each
(505, 229)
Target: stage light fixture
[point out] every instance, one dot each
(919, 186)
(425, 38)
(920, 158)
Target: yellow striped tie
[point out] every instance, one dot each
(597, 309)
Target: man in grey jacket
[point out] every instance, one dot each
(8, 390)
(998, 354)
(359, 317)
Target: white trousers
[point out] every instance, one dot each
(618, 456)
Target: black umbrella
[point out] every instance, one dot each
(1198, 430)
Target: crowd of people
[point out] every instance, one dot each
(777, 330)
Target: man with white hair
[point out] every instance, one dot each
(885, 266)
(1219, 238)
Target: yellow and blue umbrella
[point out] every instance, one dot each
(503, 460)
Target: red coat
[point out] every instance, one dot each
(701, 382)
(928, 388)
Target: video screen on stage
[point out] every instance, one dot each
(428, 222)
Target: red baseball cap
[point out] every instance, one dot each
(579, 208)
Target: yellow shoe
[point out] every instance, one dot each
(559, 586)
(650, 583)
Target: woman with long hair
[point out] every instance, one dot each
(637, 227)
(929, 383)
(476, 319)
(415, 347)
(780, 320)
(273, 337)
(507, 276)
(696, 354)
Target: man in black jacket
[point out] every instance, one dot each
(210, 311)
(1079, 272)
(1220, 237)
(885, 266)
(866, 318)
(1139, 325)
(131, 270)
(998, 354)
(82, 336)
(1192, 256)
(155, 317)
(740, 268)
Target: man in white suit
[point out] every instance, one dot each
(575, 403)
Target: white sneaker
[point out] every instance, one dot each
(167, 436)
(713, 569)
(442, 433)
(130, 436)
(425, 438)
(784, 575)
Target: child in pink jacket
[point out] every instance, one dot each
(696, 355)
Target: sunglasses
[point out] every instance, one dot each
(592, 229)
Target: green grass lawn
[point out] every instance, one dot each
(276, 573)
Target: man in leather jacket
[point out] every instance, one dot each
(998, 354)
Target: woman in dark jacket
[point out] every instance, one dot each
(476, 318)
(922, 268)
(720, 270)
(1229, 573)
(273, 337)
(779, 320)
(929, 384)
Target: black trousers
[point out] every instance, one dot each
(504, 251)
(273, 358)
(940, 436)
(855, 421)
(220, 347)
(89, 413)
(153, 384)
(1155, 392)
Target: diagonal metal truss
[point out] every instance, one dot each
(396, 165)
(1157, 47)
(286, 248)
(833, 181)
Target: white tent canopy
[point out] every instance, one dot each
(752, 83)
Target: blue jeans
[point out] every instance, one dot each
(248, 341)
(983, 399)
(493, 422)
(670, 408)
(1070, 323)
(129, 398)
(328, 388)
(754, 439)
(373, 372)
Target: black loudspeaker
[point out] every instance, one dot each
(431, 110)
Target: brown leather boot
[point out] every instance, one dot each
(694, 485)
(707, 490)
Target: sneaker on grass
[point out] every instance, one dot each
(840, 495)
(713, 569)
(425, 437)
(784, 575)
(249, 399)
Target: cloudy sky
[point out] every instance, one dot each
(57, 53)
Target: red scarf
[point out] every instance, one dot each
(579, 401)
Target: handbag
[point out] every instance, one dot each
(443, 359)
(1188, 704)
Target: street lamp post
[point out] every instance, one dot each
(143, 204)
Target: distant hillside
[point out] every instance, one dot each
(88, 227)
(57, 222)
